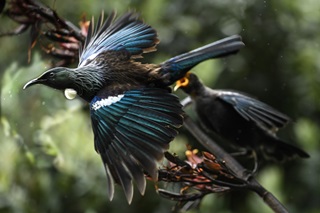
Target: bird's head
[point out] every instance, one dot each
(57, 78)
(189, 83)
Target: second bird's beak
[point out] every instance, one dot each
(181, 83)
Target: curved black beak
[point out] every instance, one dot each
(33, 82)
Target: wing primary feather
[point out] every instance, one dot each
(123, 175)
(110, 180)
(267, 119)
(132, 164)
(254, 110)
(99, 23)
(148, 162)
(136, 172)
(89, 36)
(277, 118)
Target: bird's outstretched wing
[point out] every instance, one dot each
(252, 109)
(131, 132)
(177, 66)
(128, 33)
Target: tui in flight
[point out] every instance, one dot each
(133, 112)
(244, 121)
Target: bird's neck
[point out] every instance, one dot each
(87, 81)
(199, 90)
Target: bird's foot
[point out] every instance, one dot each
(249, 154)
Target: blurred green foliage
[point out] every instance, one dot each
(48, 163)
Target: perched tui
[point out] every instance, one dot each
(134, 114)
(242, 120)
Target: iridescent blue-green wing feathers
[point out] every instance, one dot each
(132, 131)
(128, 33)
(176, 67)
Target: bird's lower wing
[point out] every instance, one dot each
(131, 132)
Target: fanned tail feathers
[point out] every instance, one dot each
(281, 151)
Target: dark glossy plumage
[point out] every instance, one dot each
(244, 121)
(134, 115)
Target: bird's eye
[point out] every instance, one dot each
(51, 74)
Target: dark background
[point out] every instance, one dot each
(47, 159)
